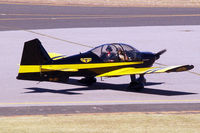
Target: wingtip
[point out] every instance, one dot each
(181, 68)
(190, 67)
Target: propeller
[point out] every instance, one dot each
(157, 55)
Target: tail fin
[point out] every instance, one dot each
(34, 53)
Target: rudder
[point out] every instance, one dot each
(33, 57)
(34, 53)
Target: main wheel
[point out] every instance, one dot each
(64, 79)
(141, 79)
(136, 86)
(88, 80)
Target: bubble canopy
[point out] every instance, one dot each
(116, 52)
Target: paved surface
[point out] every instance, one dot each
(133, 108)
(182, 43)
(14, 17)
(161, 88)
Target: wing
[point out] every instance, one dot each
(148, 70)
(77, 67)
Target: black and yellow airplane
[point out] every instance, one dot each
(108, 60)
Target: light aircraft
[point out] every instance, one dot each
(107, 60)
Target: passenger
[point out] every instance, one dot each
(122, 55)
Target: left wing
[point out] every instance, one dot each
(148, 70)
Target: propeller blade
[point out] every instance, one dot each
(157, 55)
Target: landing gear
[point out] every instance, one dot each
(64, 79)
(142, 79)
(137, 84)
(88, 80)
(55, 77)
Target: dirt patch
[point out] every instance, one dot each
(112, 3)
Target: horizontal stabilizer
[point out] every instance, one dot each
(56, 56)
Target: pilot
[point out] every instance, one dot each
(122, 55)
(109, 55)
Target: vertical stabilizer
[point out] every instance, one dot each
(34, 53)
(33, 57)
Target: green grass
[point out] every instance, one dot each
(102, 123)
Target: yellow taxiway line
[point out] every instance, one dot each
(96, 17)
(47, 4)
(100, 102)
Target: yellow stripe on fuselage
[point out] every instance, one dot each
(60, 67)
(29, 68)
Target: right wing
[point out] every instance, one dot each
(148, 70)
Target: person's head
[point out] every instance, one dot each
(119, 50)
(108, 49)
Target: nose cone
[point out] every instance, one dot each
(148, 56)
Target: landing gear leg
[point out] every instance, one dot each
(142, 79)
(88, 80)
(64, 79)
(137, 84)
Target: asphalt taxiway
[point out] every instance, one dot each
(161, 88)
(15, 17)
(121, 108)
(182, 43)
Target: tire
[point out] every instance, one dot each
(88, 81)
(136, 86)
(64, 79)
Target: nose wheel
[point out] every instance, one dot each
(137, 84)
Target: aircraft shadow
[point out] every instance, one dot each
(108, 86)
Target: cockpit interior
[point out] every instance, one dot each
(117, 52)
